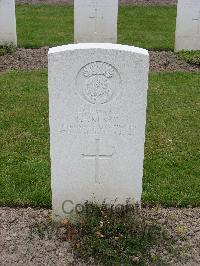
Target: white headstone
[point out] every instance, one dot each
(188, 25)
(97, 101)
(95, 21)
(8, 33)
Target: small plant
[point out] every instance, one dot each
(192, 57)
(7, 49)
(115, 236)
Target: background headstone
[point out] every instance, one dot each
(8, 33)
(188, 25)
(98, 99)
(95, 21)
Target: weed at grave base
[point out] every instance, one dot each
(115, 236)
(7, 49)
(191, 57)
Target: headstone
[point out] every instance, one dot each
(8, 33)
(95, 21)
(188, 25)
(97, 101)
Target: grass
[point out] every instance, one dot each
(122, 236)
(172, 158)
(192, 57)
(24, 158)
(172, 161)
(7, 49)
(151, 27)
(45, 25)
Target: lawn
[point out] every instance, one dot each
(24, 158)
(151, 27)
(172, 161)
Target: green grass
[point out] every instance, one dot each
(24, 157)
(150, 27)
(192, 57)
(45, 25)
(172, 159)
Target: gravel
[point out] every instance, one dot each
(131, 2)
(30, 59)
(168, 61)
(27, 237)
(183, 226)
(25, 59)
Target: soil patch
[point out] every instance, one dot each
(30, 59)
(169, 62)
(130, 2)
(25, 59)
(27, 237)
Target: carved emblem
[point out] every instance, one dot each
(98, 82)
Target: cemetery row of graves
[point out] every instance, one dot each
(78, 128)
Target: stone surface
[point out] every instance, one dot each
(188, 25)
(95, 21)
(97, 101)
(8, 33)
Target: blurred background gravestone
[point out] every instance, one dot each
(95, 21)
(188, 25)
(8, 33)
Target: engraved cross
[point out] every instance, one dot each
(198, 21)
(95, 16)
(97, 157)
